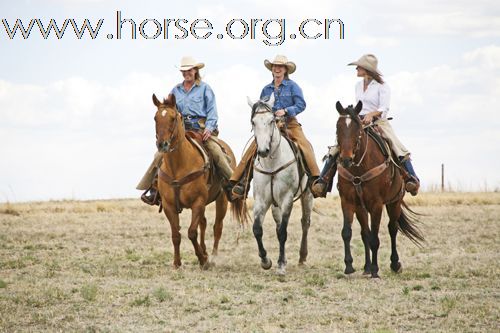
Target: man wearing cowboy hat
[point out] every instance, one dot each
(375, 95)
(195, 100)
(289, 102)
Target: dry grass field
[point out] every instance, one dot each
(106, 266)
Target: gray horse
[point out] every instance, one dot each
(277, 181)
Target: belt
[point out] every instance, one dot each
(190, 117)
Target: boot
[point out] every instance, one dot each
(153, 198)
(237, 190)
(319, 187)
(412, 183)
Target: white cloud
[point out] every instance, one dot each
(80, 138)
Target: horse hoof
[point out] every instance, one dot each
(397, 268)
(367, 273)
(266, 264)
(349, 270)
(213, 260)
(281, 271)
(375, 276)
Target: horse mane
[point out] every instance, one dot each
(257, 105)
(352, 114)
(169, 101)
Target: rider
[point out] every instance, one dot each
(289, 102)
(375, 95)
(196, 102)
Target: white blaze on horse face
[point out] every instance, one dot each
(348, 122)
(163, 113)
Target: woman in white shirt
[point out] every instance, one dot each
(375, 95)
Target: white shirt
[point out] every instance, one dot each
(376, 97)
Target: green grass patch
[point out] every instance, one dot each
(89, 292)
(141, 301)
(162, 295)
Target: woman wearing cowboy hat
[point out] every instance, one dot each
(196, 102)
(289, 102)
(375, 95)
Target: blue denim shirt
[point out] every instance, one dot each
(199, 101)
(288, 96)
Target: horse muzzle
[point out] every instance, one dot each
(163, 146)
(346, 162)
(263, 152)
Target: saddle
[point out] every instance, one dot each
(196, 138)
(384, 145)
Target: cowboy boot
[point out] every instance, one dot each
(153, 198)
(412, 183)
(319, 187)
(240, 188)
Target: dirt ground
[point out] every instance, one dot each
(106, 266)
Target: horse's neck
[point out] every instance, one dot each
(371, 152)
(281, 152)
(182, 159)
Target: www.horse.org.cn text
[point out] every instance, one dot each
(271, 31)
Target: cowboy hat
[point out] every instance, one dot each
(281, 60)
(188, 62)
(368, 62)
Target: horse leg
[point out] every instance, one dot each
(259, 213)
(307, 204)
(203, 228)
(375, 217)
(362, 217)
(348, 212)
(173, 218)
(220, 213)
(282, 216)
(198, 213)
(394, 210)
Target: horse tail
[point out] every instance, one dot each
(407, 224)
(239, 211)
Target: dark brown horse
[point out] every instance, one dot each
(183, 182)
(368, 181)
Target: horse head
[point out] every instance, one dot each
(349, 130)
(263, 124)
(169, 124)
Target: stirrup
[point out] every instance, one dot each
(318, 188)
(238, 191)
(151, 199)
(412, 186)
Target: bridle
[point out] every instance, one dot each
(166, 146)
(267, 109)
(358, 141)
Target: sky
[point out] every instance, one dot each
(76, 115)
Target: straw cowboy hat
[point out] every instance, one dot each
(281, 60)
(188, 62)
(368, 62)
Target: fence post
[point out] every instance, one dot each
(442, 177)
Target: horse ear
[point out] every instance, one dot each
(156, 101)
(339, 107)
(249, 101)
(270, 102)
(358, 107)
(170, 100)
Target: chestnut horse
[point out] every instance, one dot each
(183, 182)
(368, 181)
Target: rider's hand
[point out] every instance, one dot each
(207, 134)
(367, 119)
(280, 113)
